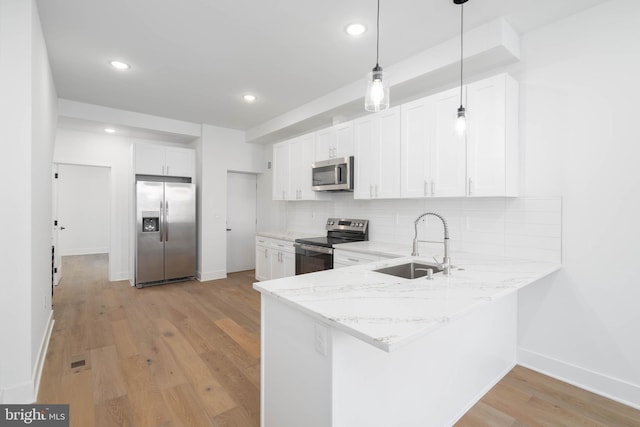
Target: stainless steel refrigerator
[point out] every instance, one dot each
(166, 232)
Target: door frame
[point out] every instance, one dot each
(255, 176)
(56, 208)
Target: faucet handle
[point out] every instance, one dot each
(438, 263)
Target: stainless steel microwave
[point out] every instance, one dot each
(333, 175)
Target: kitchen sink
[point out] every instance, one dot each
(412, 270)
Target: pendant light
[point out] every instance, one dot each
(377, 95)
(461, 121)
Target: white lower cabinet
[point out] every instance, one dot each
(275, 258)
(283, 262)
(263, 258)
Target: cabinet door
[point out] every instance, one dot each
(387, 149)
(263, 263)
(325, 145)
(486, 159)
(288, 263)
(365, 157)
(301, 154)
(280, 170)
(447, 148)
(180, 162)
(344, 139)
(414, 151)
(277, 266)
(149, 159)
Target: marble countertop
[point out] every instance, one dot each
(288, 235)
(389, 312)
(384, 249)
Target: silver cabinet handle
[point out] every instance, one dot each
(470, 186)
(371, 191)
(266, 253)
(433, 188)
(376, 191)
(167, 169)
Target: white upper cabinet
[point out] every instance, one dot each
(432, 155)
(336, 141)
(377, 155)
(153, 159)
(301, 153)
(437, 162)
(280, 171)
(292, 161)
(180, 161)
(447, 148)
(492, 137)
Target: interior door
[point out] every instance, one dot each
(179, 230)
(241, 221)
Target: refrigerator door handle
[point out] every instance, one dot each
(166, 221)
(161, 221)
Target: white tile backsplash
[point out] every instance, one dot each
(527, 228)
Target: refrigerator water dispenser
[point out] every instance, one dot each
(150, 224)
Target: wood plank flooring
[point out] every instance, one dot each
(188, 354)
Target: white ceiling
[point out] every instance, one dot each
(193, 59)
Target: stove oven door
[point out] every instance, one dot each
(312, 258)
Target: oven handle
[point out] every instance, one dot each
(319, 249)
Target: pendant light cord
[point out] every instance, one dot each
(461, 47)
(378, 34)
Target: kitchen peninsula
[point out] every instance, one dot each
(353, 346)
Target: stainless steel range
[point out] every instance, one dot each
(316, 253)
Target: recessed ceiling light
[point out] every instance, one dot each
(249, 98)
(119, 65)
(355, 29)
(109, 130)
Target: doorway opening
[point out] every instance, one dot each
(81, 212)
(242, 193)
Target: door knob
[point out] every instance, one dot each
(62, 228)
(228, 229)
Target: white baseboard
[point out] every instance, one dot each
(85, 251)
(27, 392)
(42, 355)
(115, 276)
(211, 275)
(609, 387)
(479, 396)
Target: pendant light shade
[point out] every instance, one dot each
(377, 93)
(461, 120)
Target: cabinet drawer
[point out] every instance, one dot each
(352, 258)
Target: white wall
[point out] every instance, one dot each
(219, 150)
(27, 129)
(579, 84)
(83, 209)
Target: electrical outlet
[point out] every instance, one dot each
(320, 338)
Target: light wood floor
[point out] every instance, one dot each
(188, 354)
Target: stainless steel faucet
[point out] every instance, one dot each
(446, 261)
